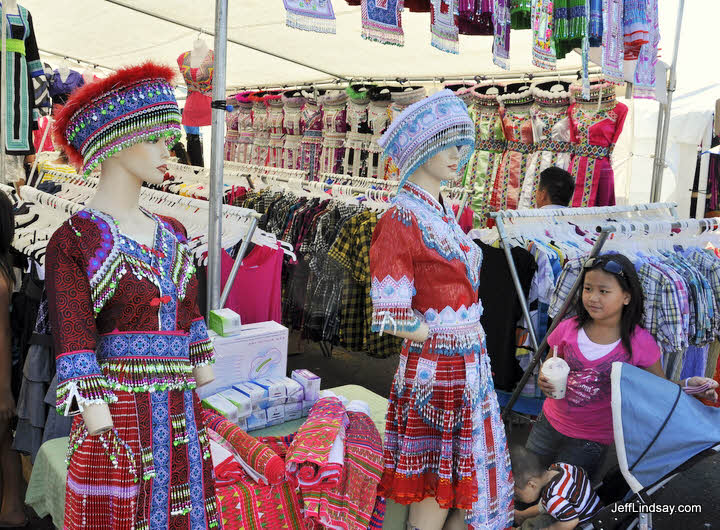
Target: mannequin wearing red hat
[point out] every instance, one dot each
(131, 343)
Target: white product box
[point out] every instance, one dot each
(275, 402)
(242, 423)
(294, 390)
(310, 383)
(222, 406)
(257, 394)
(257, 420)
(293, 411)
(258, 350)
(240, 400)
(275, 415)
(273, 386)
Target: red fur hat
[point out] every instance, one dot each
(135, 104)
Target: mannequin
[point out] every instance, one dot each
(445, 449)
(131, 343)
(64, 71)
(198, 53)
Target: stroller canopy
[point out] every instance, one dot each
(657, 426)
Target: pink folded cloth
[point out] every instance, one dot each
(315, 456)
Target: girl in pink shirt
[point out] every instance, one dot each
(578, 428)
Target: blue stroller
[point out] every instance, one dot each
(659, 432)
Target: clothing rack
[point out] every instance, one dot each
(47, 199)
(552, 213)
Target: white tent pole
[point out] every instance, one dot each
(239, 43)
(3, 95)
(664, 115)
(216, 155)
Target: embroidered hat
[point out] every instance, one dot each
(136, 104)
(427, 127)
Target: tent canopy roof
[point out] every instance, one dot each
(113, 35)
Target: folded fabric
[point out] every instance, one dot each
(308, 460)
(258, 456)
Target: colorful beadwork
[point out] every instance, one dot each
(134, 105)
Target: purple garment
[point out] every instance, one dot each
(501, 32)
(475, 17)
(58, 87)
(694, 362)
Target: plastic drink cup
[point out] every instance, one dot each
(556, 370)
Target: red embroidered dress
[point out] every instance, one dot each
(594, 134)
(128, 332)
(444, 436)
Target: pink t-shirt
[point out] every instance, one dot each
(585, 411)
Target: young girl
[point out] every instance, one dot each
(578, 429)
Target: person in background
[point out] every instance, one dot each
(178, 151)
(12, 513)
(564, 491)
(555, 188)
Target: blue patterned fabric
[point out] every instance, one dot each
(77, 365)
(143, 345)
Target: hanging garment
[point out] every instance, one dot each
(501, 33)
(418, 6)
(311, 121)
(475, 17)
(443, 26)
(517, 128)
(551, 132)
(60, 89)
(194, 148)
(275, 126)
(594, 134)
(255, 294)
(261, 127)
(44, 123)
(41, 87)
(498, 292)
(246, 133)
(24, 65)
(333, 132)
(541, 21)
(357, 139)
(128, 333)
(569, 18)
(197, 111)
(231, 132)
(444, 438)
(520, 13)
(490, 143)
(378, 119)
(293, 103)
(382, 21)
(310, 15)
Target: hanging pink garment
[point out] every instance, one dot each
(256, 291)
(197, 111)
(37, 137)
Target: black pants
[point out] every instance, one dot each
(195, 150)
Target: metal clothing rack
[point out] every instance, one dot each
(548, 213)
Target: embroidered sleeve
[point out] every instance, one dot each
(201, 347)
(393, 278)
(80, 379)
(32, 54)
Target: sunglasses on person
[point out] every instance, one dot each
(613, 267)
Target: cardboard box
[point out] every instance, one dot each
(257, 351)
(294, 390)
(257, 394)
(240, 400)
(293, 411)
(257, 420)
(275, 415)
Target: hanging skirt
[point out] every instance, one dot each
(444, 437)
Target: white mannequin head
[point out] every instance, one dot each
(144, 161)
(443, 166)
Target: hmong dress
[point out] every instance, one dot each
(311, 122)
(551, 131)
(518, 131)
(484, 162)
(277, 135)
(358, 136)
(378, 119)
(594, 135)
(231, 133)
(246, 133)
(23, 65)
(197, 111)
(261, 141)
(444, 437)
(128, 332)
(292, 127)
(334, 131)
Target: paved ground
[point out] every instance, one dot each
(699, 485)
